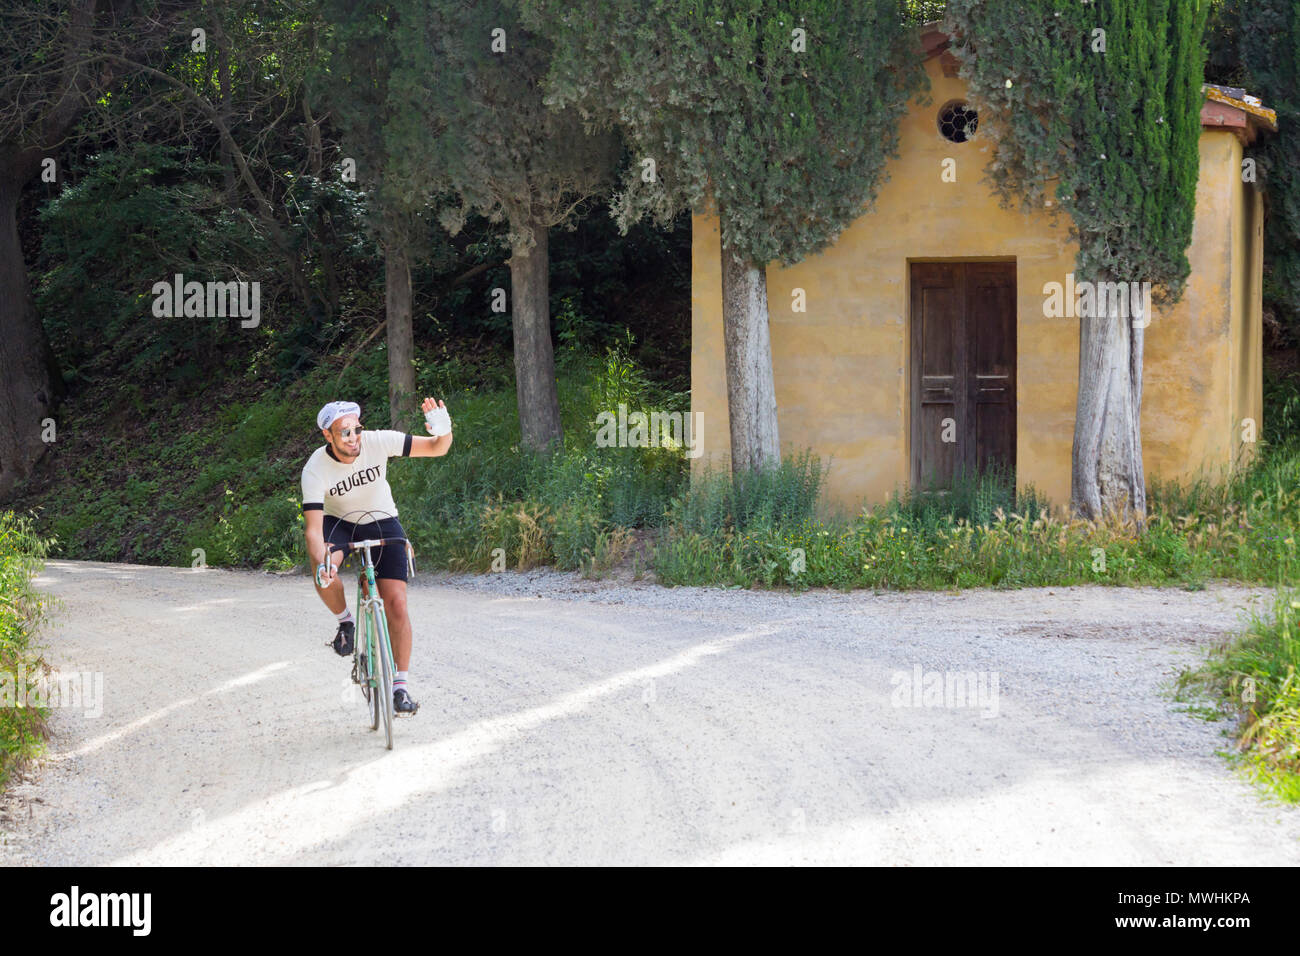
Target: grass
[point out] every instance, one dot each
(1254, 679)
(22, 728)
(983, 533)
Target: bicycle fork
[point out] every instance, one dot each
(369, 606)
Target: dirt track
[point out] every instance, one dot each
(606, 724)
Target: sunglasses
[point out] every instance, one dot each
(349, 432)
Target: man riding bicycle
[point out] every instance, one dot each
(347, 478)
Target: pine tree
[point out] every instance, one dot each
(354, 80)
(1104, 99)
(782, 117)
(467, 77)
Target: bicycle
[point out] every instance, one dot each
(377, 689)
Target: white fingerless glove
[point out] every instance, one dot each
(439, 421)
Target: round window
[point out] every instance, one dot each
(957, 121)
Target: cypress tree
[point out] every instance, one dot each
(783, 117)
(1104, 100)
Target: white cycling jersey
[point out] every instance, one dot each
(353, 489)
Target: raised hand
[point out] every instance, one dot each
(436, 419)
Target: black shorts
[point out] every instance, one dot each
(389, 559)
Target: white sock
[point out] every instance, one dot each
(345, 616)
(399, 681)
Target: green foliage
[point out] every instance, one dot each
(22, 728)
(717, 502)
(1255, 678)
(140, 216)
(573, 327)
(1265, 36)
(1117, 131)
(985, 533)
(791, 144)
(618, 380)
(1282, 404)
(136, 218)
(1223, 63)
(468, 121)
(268, 533)
(565, 509)
(355, 77)
(975, 499)
(917, 12)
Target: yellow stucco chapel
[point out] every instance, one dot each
(853, 373)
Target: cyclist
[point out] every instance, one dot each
(347, 477)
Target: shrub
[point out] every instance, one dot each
(1253, 678)
(22, 728)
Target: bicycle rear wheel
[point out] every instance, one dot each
(384, 692)
(361, 669)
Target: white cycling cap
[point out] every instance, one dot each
(333, 410)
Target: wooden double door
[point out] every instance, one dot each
(963, 369)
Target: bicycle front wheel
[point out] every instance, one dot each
(365, 651)
(368, 682)
(384, 693)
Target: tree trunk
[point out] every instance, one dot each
(1107, 478)
(223, 77)
(751, 391)
(315, 161)
(538, 397)
(27, 389)
(401, 339)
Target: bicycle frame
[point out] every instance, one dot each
(379, 658)
(378, 673)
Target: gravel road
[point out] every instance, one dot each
(573, 722)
